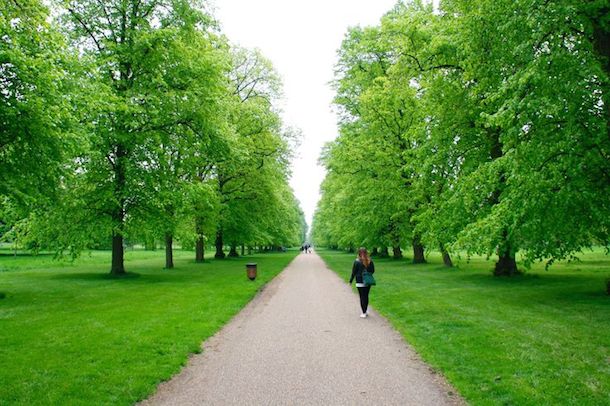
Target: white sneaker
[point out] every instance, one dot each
(363, 315)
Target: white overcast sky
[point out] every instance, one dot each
(301, 39)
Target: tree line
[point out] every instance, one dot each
(479, 126)
(136, 121)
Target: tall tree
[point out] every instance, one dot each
(38, 107)
(145, 52)
(532, 82)
(257, 165)
(510, 149)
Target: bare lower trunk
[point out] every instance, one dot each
(446, 257)
(233, 252)
(396, 253)
(384, 253)
(199, 250)
(418, 251)
(243, 250)
(118, 215)
(219, 245)
(118, 264)
(199, 244)
(447, 260)
(506, 265)
(169, 252)
(375, 252)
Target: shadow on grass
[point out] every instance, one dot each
(91, 276)
(559, 287)
(26, 255)
(526, 279)
(164, 276)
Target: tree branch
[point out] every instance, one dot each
(86, 28)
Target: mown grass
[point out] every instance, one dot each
(69, 334)
(538, 339)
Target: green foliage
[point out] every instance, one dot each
(482, 127)
(541, 338)
(255, 178)
(127, 124)
(121, 337)
(36, 103)
(39, 137)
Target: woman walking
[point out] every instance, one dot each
(362, 264)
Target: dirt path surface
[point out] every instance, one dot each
(302, 342)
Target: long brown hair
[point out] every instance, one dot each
(363, 256)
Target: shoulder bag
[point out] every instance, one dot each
(368, 278)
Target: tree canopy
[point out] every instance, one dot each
(137, 121)
(480, 127)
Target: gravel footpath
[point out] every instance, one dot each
(301, 342)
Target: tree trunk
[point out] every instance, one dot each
(384, 253)
(447, 260)
(200, 250)
(233, 252)
(199, 244)
(446, 257)
(169, 252)
(243, 250)
(418, 251)
(374, 252)
(506, 265)
(249, 250)
(118, 216)
(118, 264)
(219, 245)
(396, 252)
(351, 249)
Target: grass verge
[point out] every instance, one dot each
(538, 339)
(69, 334)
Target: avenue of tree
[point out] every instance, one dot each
(481, 127)
(136, 121)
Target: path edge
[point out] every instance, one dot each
(262, 295)
(439, 377)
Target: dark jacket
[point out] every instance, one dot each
(357, 270)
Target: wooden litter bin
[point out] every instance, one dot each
(251, 271)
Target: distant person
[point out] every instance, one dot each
(361, 264)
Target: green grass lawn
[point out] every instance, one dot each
(71, 335)
(538, 339)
